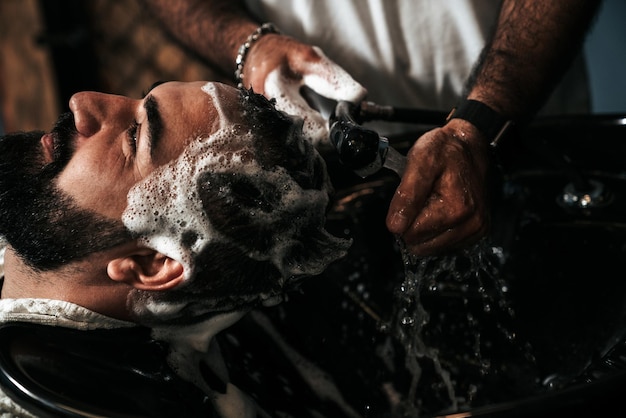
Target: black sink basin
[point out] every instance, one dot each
(541, 334)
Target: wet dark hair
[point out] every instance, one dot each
(44, 226)
(240, 271)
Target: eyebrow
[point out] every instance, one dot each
(155, 123)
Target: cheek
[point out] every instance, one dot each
(94, 186)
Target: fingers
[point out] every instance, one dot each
(423, 170)
(441, 202)
(448, 240)
(279, 67)
(286, 91)
(322, 76)
(330, 80)
(408, 201)
(441, 226)
(437, 222)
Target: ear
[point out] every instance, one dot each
(146, 269)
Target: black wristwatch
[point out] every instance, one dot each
(489, 122)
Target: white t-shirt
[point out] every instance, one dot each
(407, 53)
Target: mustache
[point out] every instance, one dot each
(64, 136)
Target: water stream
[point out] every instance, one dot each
(454, 326)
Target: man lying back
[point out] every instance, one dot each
(179, 212)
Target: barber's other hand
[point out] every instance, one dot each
(278, 67)
(442, 202)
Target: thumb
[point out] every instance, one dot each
(286, 92)
(330, 80)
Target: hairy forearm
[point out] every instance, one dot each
(534, 43)
(214, 29)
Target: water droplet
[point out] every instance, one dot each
(408, 321)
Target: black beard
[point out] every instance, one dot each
(42, 224)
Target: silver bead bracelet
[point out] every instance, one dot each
(264, 29)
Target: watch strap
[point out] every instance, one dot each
(489, 122)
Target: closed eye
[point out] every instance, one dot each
(131, 134)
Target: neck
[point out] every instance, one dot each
(84, 283)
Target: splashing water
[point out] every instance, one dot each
(453, 322)
(411, 317)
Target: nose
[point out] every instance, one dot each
(94, 112)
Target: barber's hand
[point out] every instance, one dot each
(442, 202)
(279, 66)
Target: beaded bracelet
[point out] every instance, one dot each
(264, 29)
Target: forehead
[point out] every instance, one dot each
(103, 168)
(191, 110)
